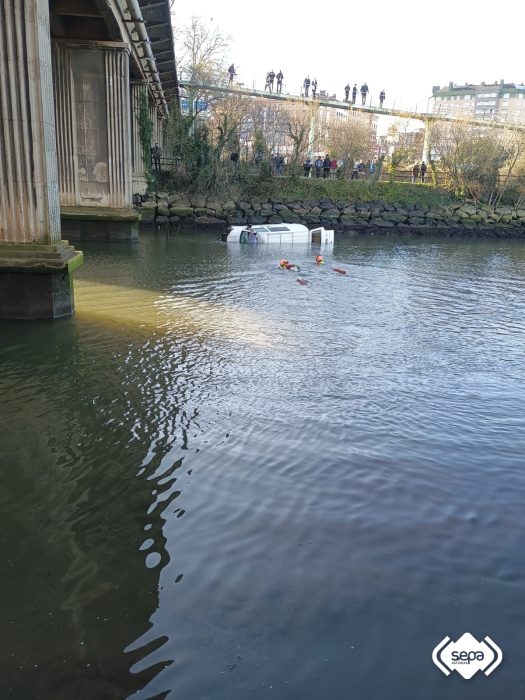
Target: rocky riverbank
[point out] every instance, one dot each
(165, 209)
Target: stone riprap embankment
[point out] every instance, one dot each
(165, 209)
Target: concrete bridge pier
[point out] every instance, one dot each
(93, 113)
(36, 266)
(139, 94)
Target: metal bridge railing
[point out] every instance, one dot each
(244, 168)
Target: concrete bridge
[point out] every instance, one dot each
(426, 117)
(75, 75)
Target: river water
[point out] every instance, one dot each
(217, 483)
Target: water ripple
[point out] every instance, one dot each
(226, 484)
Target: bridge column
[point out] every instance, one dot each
(426, 140)
(160, 131)
(93, 114)
(35, 265)
(139, 92)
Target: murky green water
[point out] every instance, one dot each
(218, 483)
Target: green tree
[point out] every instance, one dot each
(145, 134)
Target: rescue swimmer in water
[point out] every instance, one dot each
(285, 265)
(319, 260)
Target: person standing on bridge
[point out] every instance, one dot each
(280, 77)
(306, 85)
(271, 77)
(354, 93)
(415, 172)
(423, 171)
(364, 93)
(231, 72)
(267, 82)
(347, 92)
(381, 99)
(314, 88)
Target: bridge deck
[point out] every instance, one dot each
(339, 104)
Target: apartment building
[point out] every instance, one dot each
(501, 101)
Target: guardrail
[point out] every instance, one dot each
(251, 169)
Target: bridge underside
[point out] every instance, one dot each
(75, 73)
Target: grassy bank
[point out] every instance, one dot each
(292, 189)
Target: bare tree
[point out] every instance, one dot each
(406, 145)
(201, 52)
(471, 157)
(349, 140)
(514, 170)
(227, 122)
(298, 125)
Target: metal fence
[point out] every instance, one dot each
(251, 169)
(333, 174)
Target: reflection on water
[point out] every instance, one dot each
(145, 311)
(217, 483)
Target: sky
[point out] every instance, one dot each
(403, 47)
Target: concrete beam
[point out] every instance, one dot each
(77, 8)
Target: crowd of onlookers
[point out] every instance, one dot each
(331, 167)
(326, 167)
(419, 171)
(335, 167)
(273, 78)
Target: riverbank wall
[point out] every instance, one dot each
(375, 217)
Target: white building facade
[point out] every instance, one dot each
(501, 101)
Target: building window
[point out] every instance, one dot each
(466, 97)
(506, 95)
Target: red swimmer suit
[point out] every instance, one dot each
(284, 264)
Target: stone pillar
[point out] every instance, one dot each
(153, 117)
(119, 126)
(35, 266)
(65, 126)
(140, 181)
(160, 132)
(94, 138)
